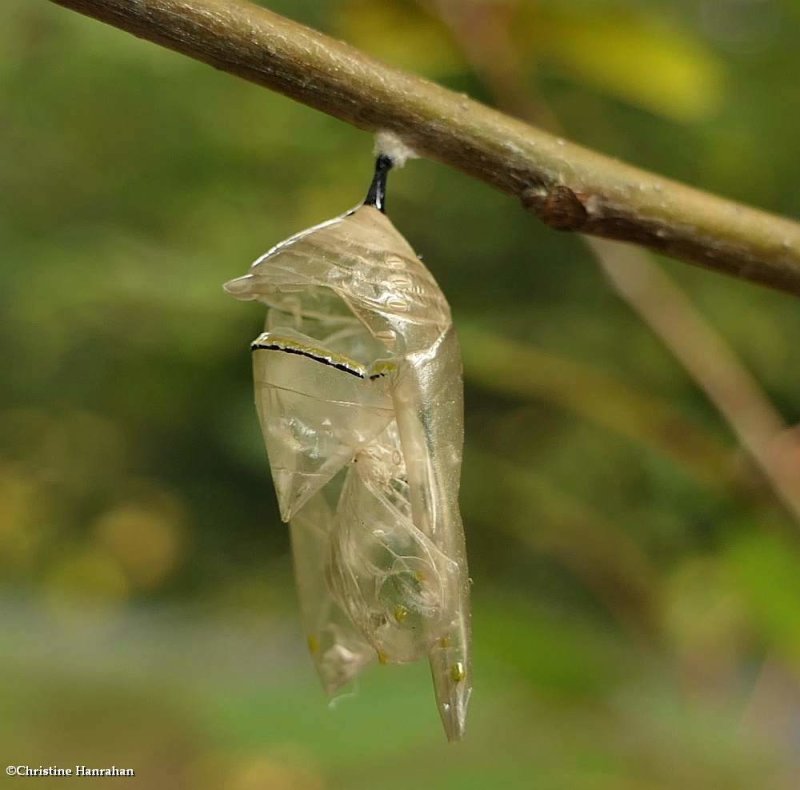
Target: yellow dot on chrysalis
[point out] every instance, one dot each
(313, 643)
(457, 672)
(400, 614)
(382, 658)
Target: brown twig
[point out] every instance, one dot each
(567, 186)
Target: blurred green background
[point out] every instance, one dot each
(636, 581)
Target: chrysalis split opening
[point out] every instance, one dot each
(359, 394)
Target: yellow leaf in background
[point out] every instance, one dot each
(145, 538)
(22, 528)
(90, 576)
(401, 34)
(637, 58)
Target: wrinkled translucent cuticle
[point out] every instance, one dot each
(360, 399)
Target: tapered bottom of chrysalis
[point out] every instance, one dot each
(452, 696)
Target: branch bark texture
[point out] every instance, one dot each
(567, 186)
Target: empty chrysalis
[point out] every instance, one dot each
(359, 393)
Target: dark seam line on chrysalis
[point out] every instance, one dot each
(316, 358)
(376, 196)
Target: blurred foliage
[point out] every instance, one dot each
(627, 51)
(635, 582)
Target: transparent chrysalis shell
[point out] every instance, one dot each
(360, 398)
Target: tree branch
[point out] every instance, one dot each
(565, 185)
(482, 29)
